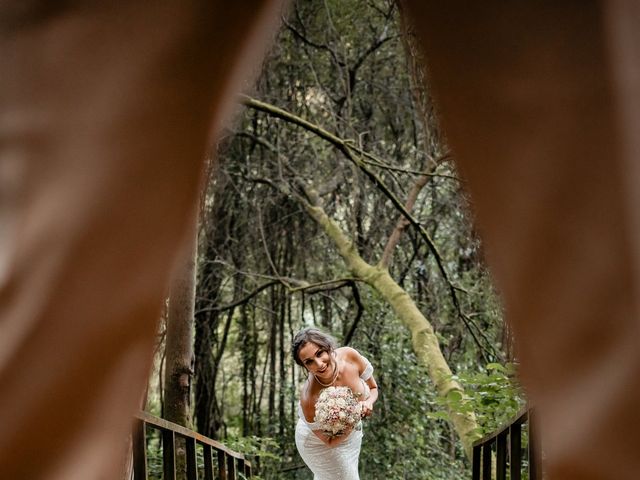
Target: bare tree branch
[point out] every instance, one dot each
(266, 251)
(356, 321)
(355, 154)
(402, 223)
(303, 286)
(319, 46)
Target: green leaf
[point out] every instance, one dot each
(496, 366)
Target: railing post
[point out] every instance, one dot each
(515, 457)
(192, 465)
(139, 450)
(501, 456)
(222, 467)
(208, 462)
(486, 461)
(168, 455)
(231, 467)
(475, 462)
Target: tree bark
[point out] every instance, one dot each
(179, 340)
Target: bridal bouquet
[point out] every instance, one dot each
(336, 410)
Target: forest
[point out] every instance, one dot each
(334, 202)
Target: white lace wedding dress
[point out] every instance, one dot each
(331, 463)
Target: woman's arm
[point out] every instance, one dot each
(367, 405)
(363, 364)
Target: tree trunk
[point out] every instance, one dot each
(179, 340)
(282, 383)
(425, 342)
(210, 282)
(273, 336)
(246, 353)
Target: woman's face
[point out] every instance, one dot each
(316, 359)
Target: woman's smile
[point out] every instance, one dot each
(317, 360)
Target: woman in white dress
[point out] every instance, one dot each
(330, 458)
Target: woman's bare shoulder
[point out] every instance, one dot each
(353, 358)
(348, 353)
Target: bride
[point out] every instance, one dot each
(330, 458)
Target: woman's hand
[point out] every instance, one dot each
(367, 408)
(333, 440)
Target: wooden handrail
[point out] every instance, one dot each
(519, 418)
(505, 446)
(228, 463)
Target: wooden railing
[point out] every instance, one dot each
(228, 465)
(506, 447)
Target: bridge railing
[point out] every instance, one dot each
(220, 462)
(513, 448)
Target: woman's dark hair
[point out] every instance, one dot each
(312, 335)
